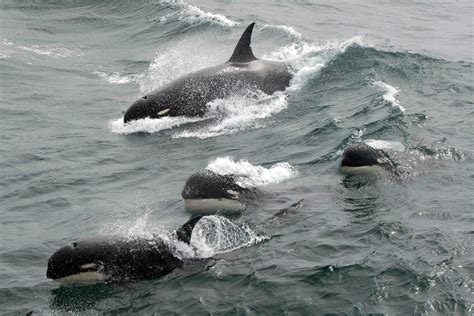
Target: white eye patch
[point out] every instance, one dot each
(163, 112)
(88, 266)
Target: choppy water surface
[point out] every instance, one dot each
(397, 75)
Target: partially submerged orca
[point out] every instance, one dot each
(206, 192)
(189, 95)
(104, 258)
(362, 159)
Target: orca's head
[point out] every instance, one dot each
(152, 106)
(207, 192)
(362, 159)
(78, 261)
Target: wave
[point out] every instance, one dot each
(385, 144)
(116, 78)
(6, 50)
(306, 59)
(288, 30)
(252, 176)
(194, 15)
(390, 94)
(53, 50)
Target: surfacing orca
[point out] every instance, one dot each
(105, 258)
(206, 192)
(189, 95)
(362, 159)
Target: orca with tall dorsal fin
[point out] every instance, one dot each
(190, 94)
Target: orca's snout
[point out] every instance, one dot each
(358, 155)
(60, 263)
(151, 106)
(136, 111)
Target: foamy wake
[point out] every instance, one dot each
(252, 176)
(116, 78)
(390, 94)
(194, 15)
(237, 113)
(148, 125)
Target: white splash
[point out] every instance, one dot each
(140, 227)
(6, 50)
(148, 125)
(116, 78)
(390, 94)
(53, 50)
(287, 29)
(306, 59)
(252, 176)
(215, 234)
(193, 14)
(385, 144)
(237, 113)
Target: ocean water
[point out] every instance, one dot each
(396, 74)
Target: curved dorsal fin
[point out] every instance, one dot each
(184, 232)
(243, 52)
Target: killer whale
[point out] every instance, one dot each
(103, 258)
(189, 95)
(362, 159)
(206, 192)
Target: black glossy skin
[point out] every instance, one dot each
(119, 258)
(115, 257)
(361, 154)
(206, 184)
(190, 94)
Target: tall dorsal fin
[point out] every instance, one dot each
(243, 52)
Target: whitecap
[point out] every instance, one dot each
(390, 94)
(117, 78)
(192, 14)
(53, 50)
(307, 59)
(6, 50)
(287, 29)
(252, 175)
(385, 144)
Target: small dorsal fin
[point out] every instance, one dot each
(243, 52)
(184, 232)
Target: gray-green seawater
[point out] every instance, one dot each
(401, 73)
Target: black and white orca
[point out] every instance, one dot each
(206, 192)
(190, 94)
(105, 258)
(362, 159)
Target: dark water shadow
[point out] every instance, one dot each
(79, 298)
